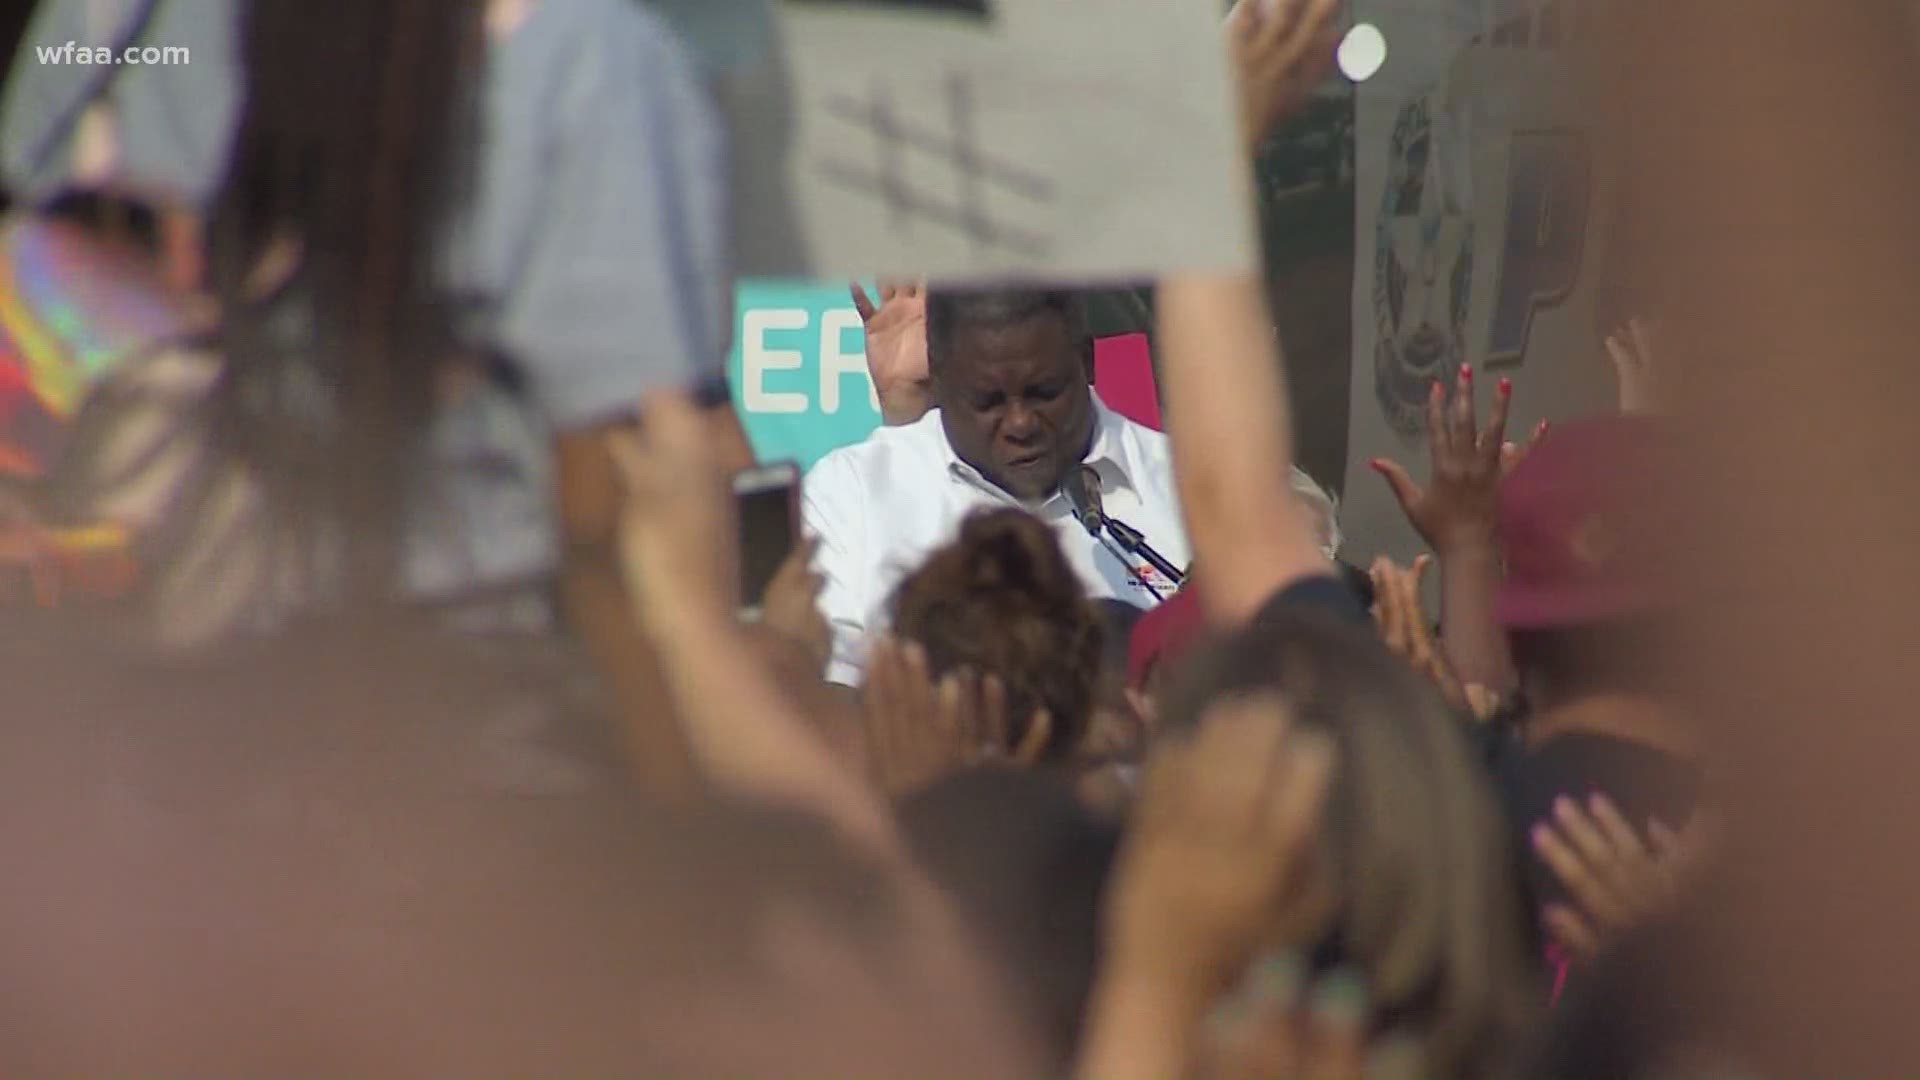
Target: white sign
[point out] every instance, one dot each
(1060, 139)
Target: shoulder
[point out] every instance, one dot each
(1147, 454)
(586, 26)
(584, 48)
(913, 450)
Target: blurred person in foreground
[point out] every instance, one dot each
(1404, 902)
(1549, 589)
(1796, 626)
(363, 840)
(1028, 863)
(566, 218)
(335, 875)
(1583, 610)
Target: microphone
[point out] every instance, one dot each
(1082, 488)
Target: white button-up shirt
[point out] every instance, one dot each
(881, 507)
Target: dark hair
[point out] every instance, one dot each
(1429, 901)
(354, 143)
(263, 465)
(1003, 600)
(1565, 663)
(1357, 580)
(1117, 620)
(950, 309)
(1027, 863)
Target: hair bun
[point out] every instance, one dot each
(1012, 551)
(1003, 600)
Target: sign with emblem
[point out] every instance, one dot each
(1481, 199)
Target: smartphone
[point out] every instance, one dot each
(767, 503)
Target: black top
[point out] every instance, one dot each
(1646, 785)
(1321, 592)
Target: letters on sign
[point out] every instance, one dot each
(840, 357)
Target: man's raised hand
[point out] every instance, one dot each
(897, 349)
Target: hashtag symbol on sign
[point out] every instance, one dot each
(975, 172)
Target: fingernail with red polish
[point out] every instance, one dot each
(1466, 371)
(1506, 386)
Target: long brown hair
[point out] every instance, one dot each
(267, 460)
(359, 124)
(1429, 906)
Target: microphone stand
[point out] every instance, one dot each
(1134, 541)
(1093, 523)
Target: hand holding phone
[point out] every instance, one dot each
(766, 500)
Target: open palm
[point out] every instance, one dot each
(897, 349)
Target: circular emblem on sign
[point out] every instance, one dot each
(1423, 270)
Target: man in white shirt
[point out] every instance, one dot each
(1013, 413)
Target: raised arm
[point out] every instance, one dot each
(1455, 515)
(1232, 432)
(682, 565)
(1226, 393)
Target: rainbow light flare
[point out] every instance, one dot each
(72, 307)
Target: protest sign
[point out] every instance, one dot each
(799, 370)
(968, 139)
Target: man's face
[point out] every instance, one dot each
(1015, 403)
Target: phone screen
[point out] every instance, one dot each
(767, 533)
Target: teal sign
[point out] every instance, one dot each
(799, 370)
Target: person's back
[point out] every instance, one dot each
(584, 256)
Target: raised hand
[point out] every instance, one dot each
(918, 730)
(1631, 348)
(791, 607)
(1455, 511)
(1615, 880)
(1403, 627)
(1281, 50)
(897, 350)
(677, 538)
